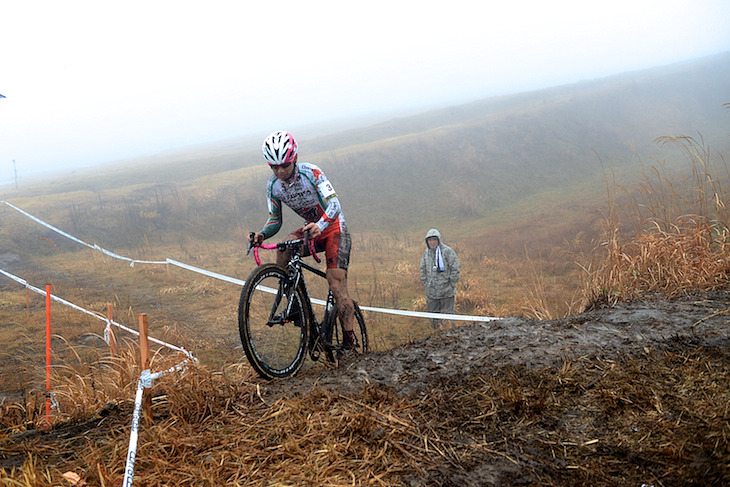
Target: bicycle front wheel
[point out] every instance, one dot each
(274, 341)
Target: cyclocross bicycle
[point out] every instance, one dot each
(276, 319)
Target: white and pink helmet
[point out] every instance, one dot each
(279, 148)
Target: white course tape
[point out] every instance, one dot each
(95, 315)
(422, 314)
(417, 314)
(134, 435)
(227, 279)
(95, 247)
(145, 382)
(232, 280)
(206, 273)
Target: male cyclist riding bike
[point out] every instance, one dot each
(304, 188)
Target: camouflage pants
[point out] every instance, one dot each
(440, 305)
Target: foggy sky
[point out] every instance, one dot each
(91, 82)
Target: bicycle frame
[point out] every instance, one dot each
(277, 335)
(294, 268)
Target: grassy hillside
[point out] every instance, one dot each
(525, 188)
(520, 180)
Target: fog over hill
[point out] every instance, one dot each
(457, 163)
(634, 394)
(474, 158)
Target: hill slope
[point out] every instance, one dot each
(460, 164)
(631, 395)
(501, 177)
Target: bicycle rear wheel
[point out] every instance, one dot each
(334, 334)
(275, 344)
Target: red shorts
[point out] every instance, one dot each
(335, 242)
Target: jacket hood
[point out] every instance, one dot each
(433, 233)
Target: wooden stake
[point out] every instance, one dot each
(144, 351)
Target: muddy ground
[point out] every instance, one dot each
(608, 333)
(626, 416)
(635, 394)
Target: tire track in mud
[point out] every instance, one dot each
(626, 329)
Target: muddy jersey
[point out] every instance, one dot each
(309, 194)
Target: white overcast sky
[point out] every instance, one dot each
(90, 82)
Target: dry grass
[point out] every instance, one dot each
(661, 418)
(691, 256)
(81, 386)
(680, 234)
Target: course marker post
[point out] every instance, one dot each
(144, 351)
(48, 356)
(108, 332)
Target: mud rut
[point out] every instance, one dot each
(460, 354)
(606, 333)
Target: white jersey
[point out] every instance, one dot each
(309, 194)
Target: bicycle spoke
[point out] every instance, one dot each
(274, 340)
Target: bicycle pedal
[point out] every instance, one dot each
(277, 319)
(294, 316)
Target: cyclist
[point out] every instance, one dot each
(304, 188)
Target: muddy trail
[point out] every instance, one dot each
(627, 330)
(635, 394)
(613, 396)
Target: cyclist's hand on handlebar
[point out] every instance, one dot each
(254, 239)
(313, 230)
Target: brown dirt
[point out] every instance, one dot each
(609, 333)
(597, 382)
(630, 395)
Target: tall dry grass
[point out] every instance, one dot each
(81, 387)
(671, 238)
(214, 428)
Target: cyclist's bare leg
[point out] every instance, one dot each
(337, 280)
(282, 257)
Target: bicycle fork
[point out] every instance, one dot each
(287, 289)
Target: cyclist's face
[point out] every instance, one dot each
(283, 171)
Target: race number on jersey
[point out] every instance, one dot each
(326, 190)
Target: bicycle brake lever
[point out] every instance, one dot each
(251, 237)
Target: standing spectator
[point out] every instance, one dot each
(440, 269)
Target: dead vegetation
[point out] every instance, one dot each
(681, 233)
(655, 415)
(660, 418)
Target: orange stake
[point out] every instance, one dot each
(144, 344)
(48, 355)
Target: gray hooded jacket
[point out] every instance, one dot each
(439, 283)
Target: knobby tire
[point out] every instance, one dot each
(274, 350)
